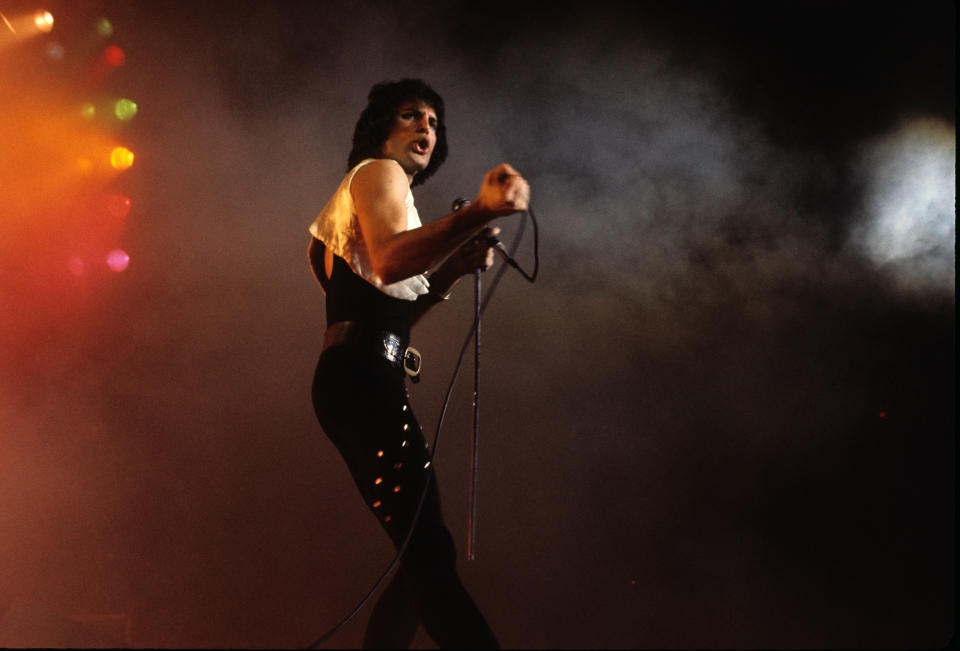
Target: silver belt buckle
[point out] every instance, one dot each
(412, 361)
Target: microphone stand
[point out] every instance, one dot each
(474, 459)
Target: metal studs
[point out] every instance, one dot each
(404, 444)
(405, 427)
(404, 408)
(426, 465)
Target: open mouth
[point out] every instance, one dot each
(422, 146)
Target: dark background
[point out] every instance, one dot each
(723, 417)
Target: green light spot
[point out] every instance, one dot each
(88, 111)
(104, 28)
(125, 109)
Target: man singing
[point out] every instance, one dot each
(381, 270)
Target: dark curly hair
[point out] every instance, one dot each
(373, 127)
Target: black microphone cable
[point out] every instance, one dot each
(446, 400)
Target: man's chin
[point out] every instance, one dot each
(416, 164)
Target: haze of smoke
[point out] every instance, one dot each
(657, 202)
(908, 221)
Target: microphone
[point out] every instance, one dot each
(491, 241)
(498, 246)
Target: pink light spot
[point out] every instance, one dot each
(118, 260)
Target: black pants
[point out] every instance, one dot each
(362, 405)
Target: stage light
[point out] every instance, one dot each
(118, 205)
(104, 28)
(76, 266)
(121, 158)
(114, 55)
(909, 225)
(43, 20)
(88, 111)
(125, 109)
(118, 260)
(54, 50)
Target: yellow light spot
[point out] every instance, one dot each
(404, 444)
(378, 481)
(121, 158)
(426, 465)
(396, 489)
(405, 427)
(379, 453)
(43, 20)
(377, 504)
(404, 408)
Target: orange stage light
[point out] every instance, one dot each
(43, 20)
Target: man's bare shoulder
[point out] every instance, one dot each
(383, 174)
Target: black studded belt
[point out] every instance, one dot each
(386, 344)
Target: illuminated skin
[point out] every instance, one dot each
(412, 138)
(379, 190)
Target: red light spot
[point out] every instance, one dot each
(114, 55)
(118, 205)
(118, 260)
(883, 414)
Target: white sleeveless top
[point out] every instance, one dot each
(338, 228)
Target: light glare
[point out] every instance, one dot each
(125, 109)
(910, 220)
(104, 28)
(118, 260)
(54, 50)
(43, 20)
(118, 205)
(114, 55)
(121, 158)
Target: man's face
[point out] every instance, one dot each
(412, 137)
